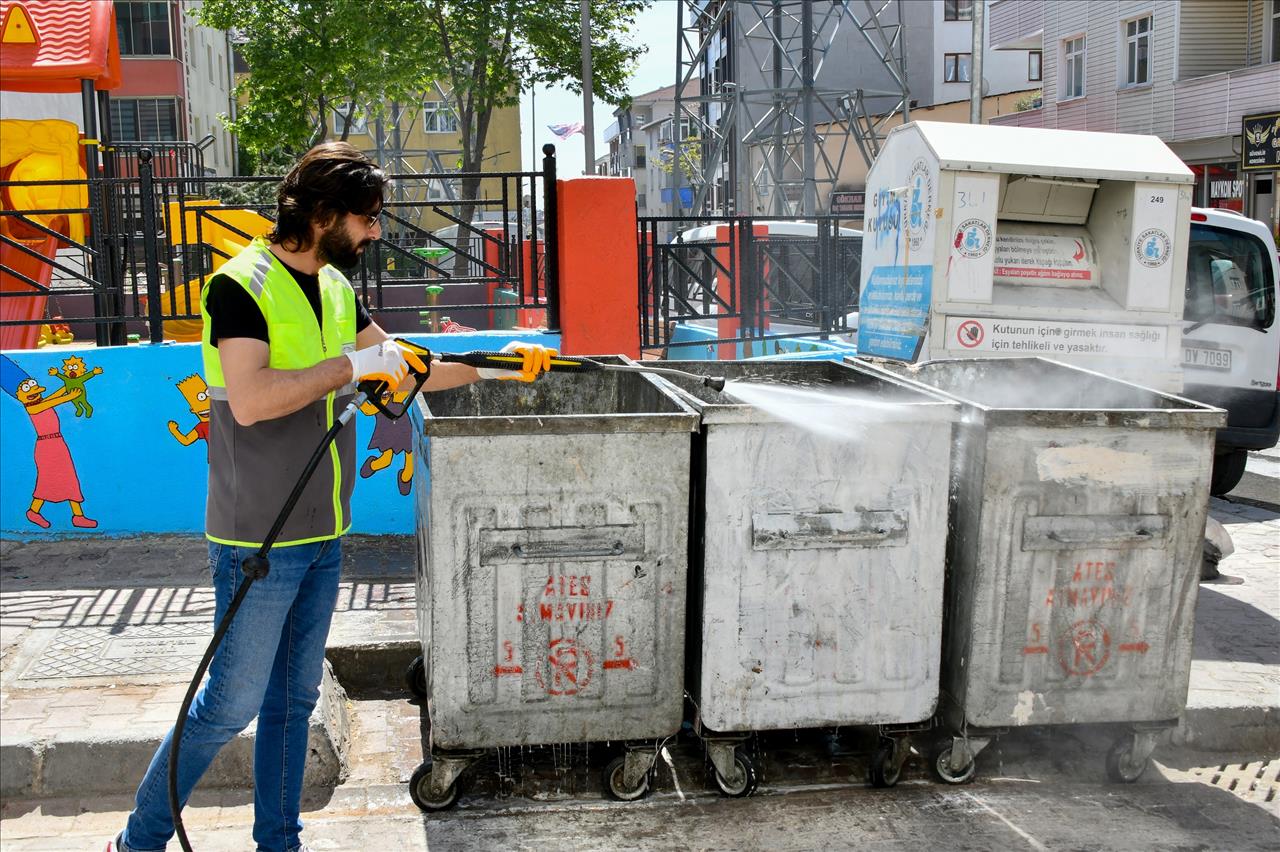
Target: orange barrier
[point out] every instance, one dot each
(599, 310)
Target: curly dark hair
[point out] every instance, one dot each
(331, 179)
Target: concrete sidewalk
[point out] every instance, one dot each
(98, 639)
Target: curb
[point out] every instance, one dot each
(75, 763)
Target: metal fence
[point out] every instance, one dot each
(749, 278)
(127, 253)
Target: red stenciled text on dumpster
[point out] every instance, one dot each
(1093, 584)
(567, 598)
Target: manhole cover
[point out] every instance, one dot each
(1257, 782)
(131, 650)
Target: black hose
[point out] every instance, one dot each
(254, 568)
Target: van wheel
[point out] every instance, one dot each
(1228, 468)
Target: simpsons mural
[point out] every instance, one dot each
(390, 438)
(196, 392)
(74, 374)
(56, 479)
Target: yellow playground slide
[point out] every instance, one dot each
(222, 230)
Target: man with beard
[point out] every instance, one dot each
(285, 340)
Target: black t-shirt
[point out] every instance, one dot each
(234, 313)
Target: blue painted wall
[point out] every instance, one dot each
(134, 475)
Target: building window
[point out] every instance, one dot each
(1137, 39)
(144, 119)
(1035, 65)
(1073, 68)
(439, 117)
(1275, 31)
(359, 123)
(639, 156)
(957, 10)
(664, 132)
(956, 67)
(144, 29)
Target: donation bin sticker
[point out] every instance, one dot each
(1034, 337)
(894, 311)
(1046, 258)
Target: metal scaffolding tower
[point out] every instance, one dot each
(768, 131)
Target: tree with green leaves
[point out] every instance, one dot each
(493, 50)
(309, 57)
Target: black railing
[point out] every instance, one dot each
(154, 235)
(750, 278)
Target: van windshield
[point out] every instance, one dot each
(1228, 279)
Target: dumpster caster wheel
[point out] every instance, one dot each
(615, 782)
(415, 677)
(1121, 765)
(942, 767)
(884, 771)
(420, 791)
(743, 783)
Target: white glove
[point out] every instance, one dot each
(384, 362)
(537, 360)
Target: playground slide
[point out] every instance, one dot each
(222, 230)
(46, 150)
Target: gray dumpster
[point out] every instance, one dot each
(820, 529)
(552, 525)
(1079, 510)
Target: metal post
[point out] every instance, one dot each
(588, 109)
(809, 198)
(99, 268)
(975, 62)
(146, 191)
(114, 242)
(551, 238)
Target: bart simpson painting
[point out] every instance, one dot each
(196, 392)
(56, 479)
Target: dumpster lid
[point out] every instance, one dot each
(804, 389)
(1041, 391)
(1057, 153)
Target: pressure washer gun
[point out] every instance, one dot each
(567, 364)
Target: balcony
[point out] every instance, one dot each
(1214, 105)
(1016, 24)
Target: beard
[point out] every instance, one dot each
(335, 246)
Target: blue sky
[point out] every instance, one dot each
(655, 27)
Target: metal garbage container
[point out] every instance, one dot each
(552, 529)
(1079, 505)
(816, 581)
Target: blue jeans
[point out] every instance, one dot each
(269, 666)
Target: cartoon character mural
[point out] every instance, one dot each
(74, 375)
(196, 392)
(56, 479)
(390, 438)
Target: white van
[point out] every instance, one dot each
(1230, 338)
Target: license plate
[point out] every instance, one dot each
(1203, 358)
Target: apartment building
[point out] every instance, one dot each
(177, 80)
(422, 136)
(1188, 71)
(642, 146)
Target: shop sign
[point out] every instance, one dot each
(848, 203)
(1260, 135)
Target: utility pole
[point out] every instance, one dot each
(975, 62)
(588, 109)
